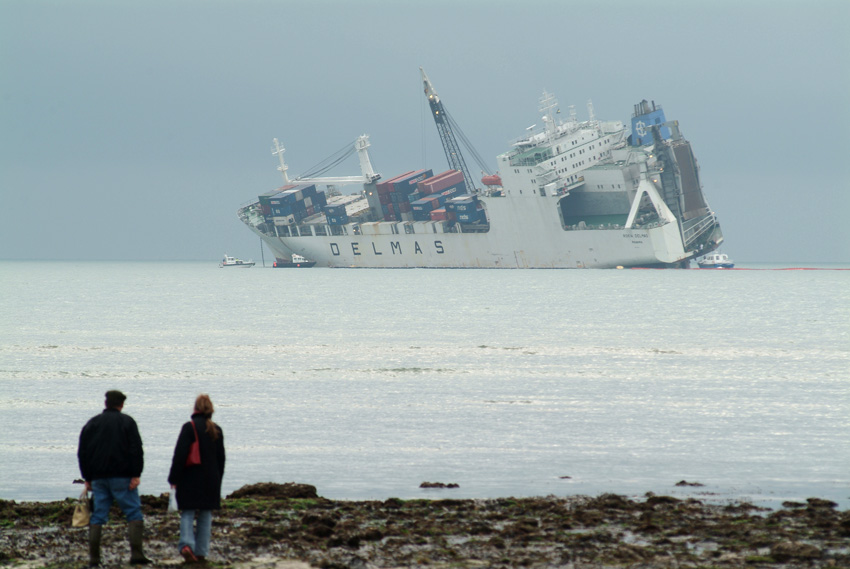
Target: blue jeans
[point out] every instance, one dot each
(199, 537)
(108, 490)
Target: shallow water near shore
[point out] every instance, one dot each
(507, 383)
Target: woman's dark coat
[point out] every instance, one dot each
(198, 487)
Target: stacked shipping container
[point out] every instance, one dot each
(413, 196)
(466, 209)
(393, 194)
(290, 204)
(432, 194)
(336, 214)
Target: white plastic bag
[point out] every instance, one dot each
(172, 500)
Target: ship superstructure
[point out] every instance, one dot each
(567, 195)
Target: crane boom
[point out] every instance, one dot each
(447, 137)
(367, 176)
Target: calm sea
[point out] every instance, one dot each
(366, 383)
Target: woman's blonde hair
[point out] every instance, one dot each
(204, 406)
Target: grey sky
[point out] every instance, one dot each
(134, 130)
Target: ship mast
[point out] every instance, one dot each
(278, 150)
(547, 103)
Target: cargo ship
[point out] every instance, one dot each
(569, 194)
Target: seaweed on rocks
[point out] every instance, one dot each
(284, 526)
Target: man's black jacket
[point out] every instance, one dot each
(110, 447)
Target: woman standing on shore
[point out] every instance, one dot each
(198, 486)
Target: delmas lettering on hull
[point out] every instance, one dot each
(395, 248)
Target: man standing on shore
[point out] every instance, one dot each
(111, 462)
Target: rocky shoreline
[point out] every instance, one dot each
(288, 526)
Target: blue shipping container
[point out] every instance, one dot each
(281, 210)
(465, 203)
(337, 219)
(334, 209)
(472, 217)
(425, 204)
(265, 199)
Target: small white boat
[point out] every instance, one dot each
(229, 261)
(297, 262)
(715, 261)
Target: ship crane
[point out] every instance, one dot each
(446, 128)
(361, 145)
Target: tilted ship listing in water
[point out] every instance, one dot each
(568, 195)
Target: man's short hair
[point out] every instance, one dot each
(115, 399)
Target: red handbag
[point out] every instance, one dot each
(194, 457)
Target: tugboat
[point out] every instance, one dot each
(298, 262)
(715, 261)
(229, 261)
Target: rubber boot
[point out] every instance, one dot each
(95, 532)
(135, 531)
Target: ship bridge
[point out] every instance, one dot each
(531, 157)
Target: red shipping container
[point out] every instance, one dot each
(404, 207)
(384, 199)
(440, 182)
(439, 215)
(388, 184)
(438, 176)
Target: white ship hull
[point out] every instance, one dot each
(534, 239)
